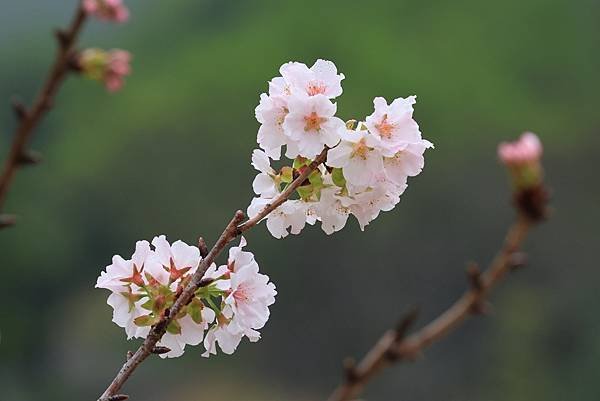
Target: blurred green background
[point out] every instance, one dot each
(171, 154)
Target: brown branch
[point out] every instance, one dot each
(233, 229)
(30, 119)
(393, 346)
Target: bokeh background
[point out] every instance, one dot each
(171, 154)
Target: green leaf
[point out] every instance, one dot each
(287, 174)
(338, 177)
(300, 162)
(316, 179)
(305, 191)
(146, 320)
(174, 327)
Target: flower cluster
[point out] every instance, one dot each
(367, 165)
(107, 10)
(234, 302)
(109, 67)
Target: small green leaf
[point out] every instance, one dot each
(146, 320)
(287, 174)
(338, 177)
(174, 327)
(300, 162)
(316, 179)
(305, 191)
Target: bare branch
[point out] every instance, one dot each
(393, 346)
(30, 119)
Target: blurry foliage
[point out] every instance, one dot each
(171, 154)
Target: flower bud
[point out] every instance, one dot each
(107, 10)
(522, 157)
(110, 67)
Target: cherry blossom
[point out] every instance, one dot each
(312, 123)
(357, 156)
(264, 183)
(321, 79)
(107, 10)
(394, 124)
(527, 149)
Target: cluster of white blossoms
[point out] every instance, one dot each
(368, 162)
(234, 302)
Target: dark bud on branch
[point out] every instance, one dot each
(29, 157)
(202, 246)
(205, 281)
(61, 37)
(158, 350)
(7, 220)
(349, 366)
(19, 109)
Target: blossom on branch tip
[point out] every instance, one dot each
(527, 149)
(110, 67)
(367, 165)
(106, 10)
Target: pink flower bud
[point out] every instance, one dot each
(110, 67)
(522, 157)
(107, 10)
(526, 150)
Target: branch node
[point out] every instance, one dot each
(474, 275)
(159, 349)
(517, 260)
(129, 355)
(19, 109)
(61, 37)
(349, 366)
(29, 157)
(405, 323)
(205, 281)
(7, 220)
(202, 246)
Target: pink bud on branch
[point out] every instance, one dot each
(523, 160)
(107, 10)
(110, 67)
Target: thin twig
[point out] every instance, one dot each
(29, 119)
(393, 347)
(233, 230)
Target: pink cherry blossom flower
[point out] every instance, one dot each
(107, 10)
(407, 162)
(118, 67)
(177, 259)
(394, 124)
(526, 150)
(357, 156)
(271, 112)
(311, 122)
(264, 183)
(321, 79)
(251, 293)
(291, 215)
